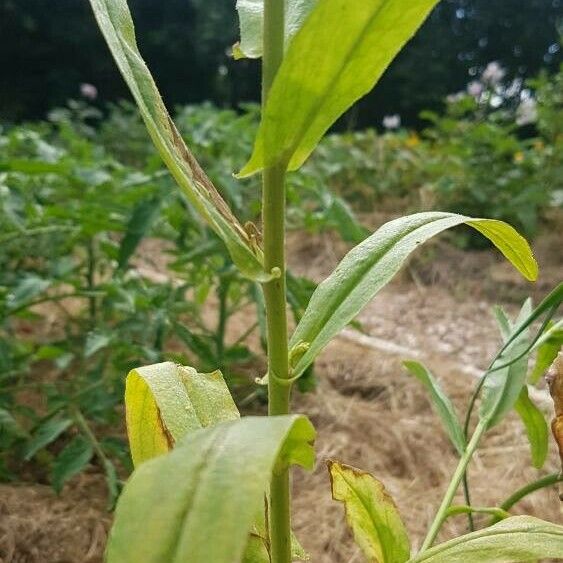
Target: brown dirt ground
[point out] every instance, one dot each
(367, 411)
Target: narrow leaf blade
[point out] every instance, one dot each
(547, 351)
(140, 223)
(116, 24)
(198, 502)
(71, 461)
(370, 513)
(45, 434)
(441, 403)
(536, 427)
(368, 267)
(349, 44)
(502, 387)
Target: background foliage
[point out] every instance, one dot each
(187, 43)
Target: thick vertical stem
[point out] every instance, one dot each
(273, 219)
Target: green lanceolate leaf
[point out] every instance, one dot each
(256, 550)
(198, 503)
(251, 17)
(141, 220)
(371, 514)
(27, 289)
(46, 433)
(502, 387)
(536, 427)
(547, 349)
(116, 24)
(520, 538)
(71, 461)
(349, 44)
(368, 267)
(441, 403)
(165, 401)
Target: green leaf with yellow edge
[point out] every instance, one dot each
(520, 538)
(251, 18)
(116, 24)
(166, 401)
(198, 503)
(368, 267)
(371, 514)
(441, 403)
(337, 56)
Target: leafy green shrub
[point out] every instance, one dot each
(71, 219)
(479, 161)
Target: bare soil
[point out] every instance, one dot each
(368, 412)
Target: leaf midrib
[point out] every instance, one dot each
(356, 279)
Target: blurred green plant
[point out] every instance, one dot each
(76, 311)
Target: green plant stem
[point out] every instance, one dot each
(467, 496)
(48, 298)
(91, 281)
(532, 487)
(453, 486)
(278, 364)
(495, 511)
(37, 231)
(222, 291)
(83, 425)
(273, 224)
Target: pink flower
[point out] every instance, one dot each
(493, 73)
(88, 91)
(475, 88)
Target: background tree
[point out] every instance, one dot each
(187, 42)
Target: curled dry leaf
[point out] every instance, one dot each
(555, 380)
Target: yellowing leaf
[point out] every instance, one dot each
(165, 401)
(371, 514)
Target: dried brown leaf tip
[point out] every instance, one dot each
(555, 380)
